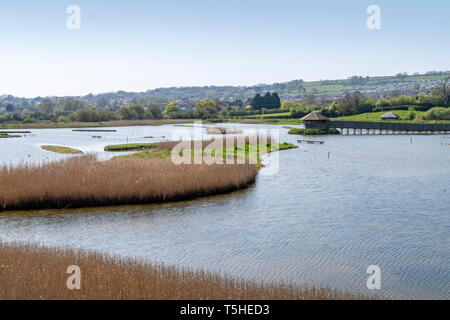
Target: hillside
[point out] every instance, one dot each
(296, 90)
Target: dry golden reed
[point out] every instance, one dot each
(29, 272)
(83, 181)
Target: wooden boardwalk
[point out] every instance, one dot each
(359, 127)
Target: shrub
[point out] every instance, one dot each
(437, 113)
(28, 120)
(411, 115)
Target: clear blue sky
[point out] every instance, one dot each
(139, 45)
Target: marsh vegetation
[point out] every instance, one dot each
(30, 272)
(61, 149)
(84, 181)
(8, 135)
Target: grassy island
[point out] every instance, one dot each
(7, 135)
(61, 150)
(163, 150)
(84, 181)
(94, 130)
(148, 176)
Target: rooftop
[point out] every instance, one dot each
(390, 115)
(314, 116)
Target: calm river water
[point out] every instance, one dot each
(376, 200)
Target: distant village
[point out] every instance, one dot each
(321, 92)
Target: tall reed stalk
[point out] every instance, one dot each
(83, 181)
(30, 272)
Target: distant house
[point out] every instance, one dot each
(316, 120)
(390, 116)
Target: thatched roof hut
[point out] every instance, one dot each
(314, 116)
(390, 116)
(316, 120)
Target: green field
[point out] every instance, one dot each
(270, 115)
(376, 116)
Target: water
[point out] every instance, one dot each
(378, 200)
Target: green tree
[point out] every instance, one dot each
(47, 108)
(155, 111)
(206, 109)
(132, 111)
(172, 111)
(268, 101)
(69, 105)
(443, 91)
(102, 103)
(288, 105)
(86, 115)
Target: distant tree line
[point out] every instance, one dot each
(77, 110)
(268, 101)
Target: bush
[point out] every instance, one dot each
(28, 120)
(63, 119)
(437, 113)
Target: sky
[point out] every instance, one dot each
(140, 45)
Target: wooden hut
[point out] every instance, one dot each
(390, 116)
(316, 120)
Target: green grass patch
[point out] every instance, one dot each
(7, 135)
(147, 154)
(61, 150)
(93, 130)
(376, 116)
(235, 153)
(271, 115)
(8, 132)
(130, 147)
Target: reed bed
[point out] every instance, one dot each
(30, 272)
(84, 181)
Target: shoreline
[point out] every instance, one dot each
(175, 122)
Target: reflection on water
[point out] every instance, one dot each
(377, 200)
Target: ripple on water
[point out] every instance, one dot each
(377, 200)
